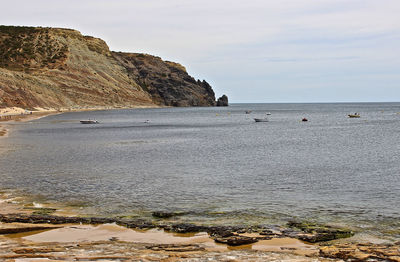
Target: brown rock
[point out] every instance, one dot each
(167, 82)
(60, 68)
(37, 250)
(176, 247)
(362, 252)
(236, 240)
(14, 230)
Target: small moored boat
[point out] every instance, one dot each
(261, 119)
(304, 119)
(355, 115)
(89, 121)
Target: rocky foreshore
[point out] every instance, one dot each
(230, 235)
(317, 238)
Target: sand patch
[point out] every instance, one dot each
(87, 233)
(106, 232)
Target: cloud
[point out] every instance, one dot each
(270, 45)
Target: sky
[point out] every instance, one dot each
(253, 51)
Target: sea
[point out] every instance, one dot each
(216, 164)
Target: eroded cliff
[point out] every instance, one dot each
(61, 68)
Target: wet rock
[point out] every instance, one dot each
(221, 233)
(222, 101)
(100, 220)
(290, 232)
(225, 231)
(41, 210)
(312, 232)
(187, 228)
(236, 240)
(139, 224)
(176, 247)
(241, 231)
(166, 214)
(14, 230)
(266, 232)
(58, 220)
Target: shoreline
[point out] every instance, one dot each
(145, 240)
(11, 115)
(40, 234)
(6, 120)
(15, 114)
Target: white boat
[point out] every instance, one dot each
(261, 119)
(89, 121)
(268, 113)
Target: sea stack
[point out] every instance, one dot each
(222, 101)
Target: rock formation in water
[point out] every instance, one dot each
(61, 68)
(222, 101)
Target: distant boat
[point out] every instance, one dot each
(304, 119)
(355, 115)
(261, 119)
(248, 111)
(268, 113)
(89, 121)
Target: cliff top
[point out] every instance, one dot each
(31, 48)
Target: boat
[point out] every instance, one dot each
(355, 115)
(261, 119)
(248, 111)
(268, 113)
(304, 119)
(89, 121)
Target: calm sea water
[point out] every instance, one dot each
(217, 163)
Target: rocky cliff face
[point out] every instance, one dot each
(60, 68)
(168, 83)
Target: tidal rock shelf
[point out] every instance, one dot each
(231, 235)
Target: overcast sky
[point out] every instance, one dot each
(254, 50)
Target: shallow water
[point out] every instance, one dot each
(217, 163)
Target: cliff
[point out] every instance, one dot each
(61, 68)
(168, 83)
